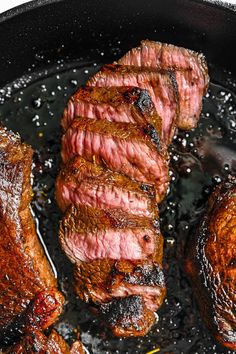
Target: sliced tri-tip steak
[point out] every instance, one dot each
(160, 85)
(115, 104)
(28, 288)
(211, 264)
(102, 280)
(122, 147)
(84, 182)
(88, 234)
(128, 317)
(191, 74)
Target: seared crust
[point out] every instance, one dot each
(211, 264)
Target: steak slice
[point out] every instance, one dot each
(160, 85)
(83, 182)
(122, 147)
(100, 281)
(128, 316)
(26, 275)
(115, 104)
(191, 74)
(87, 234)
(211, 264)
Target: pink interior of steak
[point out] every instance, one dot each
(133, 244)
(88, 192)
(130, 157)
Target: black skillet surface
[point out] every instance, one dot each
(47, 49)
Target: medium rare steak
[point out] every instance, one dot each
(191, 74)
(128, 316)
(83, 182)
(122, 147)
(100, 281)
(87, 234)
(28, 294)
(115, 104)
(211, 264)
(160, 85)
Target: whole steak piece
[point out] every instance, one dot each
(191, 74)
(29, 298)
(211, 264)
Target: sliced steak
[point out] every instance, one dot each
(101, 281)
(87, 234)
(211, 264)
(160, 85)
(86, 183)
(115, 104)
(191, 74)
(128, 316)
(26, 275)
(122, 147)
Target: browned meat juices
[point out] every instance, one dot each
(115, 170)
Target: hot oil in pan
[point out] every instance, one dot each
(200, 159)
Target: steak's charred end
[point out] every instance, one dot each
(128, 316)
(211, 264)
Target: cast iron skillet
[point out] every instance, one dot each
(47, 49)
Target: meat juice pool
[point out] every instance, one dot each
(200, 159)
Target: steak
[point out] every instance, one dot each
(190, 69)
(88, 234)
(83, 182)
(28, 288)
(37, 342)
(100, 281)
(115, 104)
(128, 316)
(160, 85)
(122, 147)
(211, 264)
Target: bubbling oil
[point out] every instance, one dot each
(200, 159)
